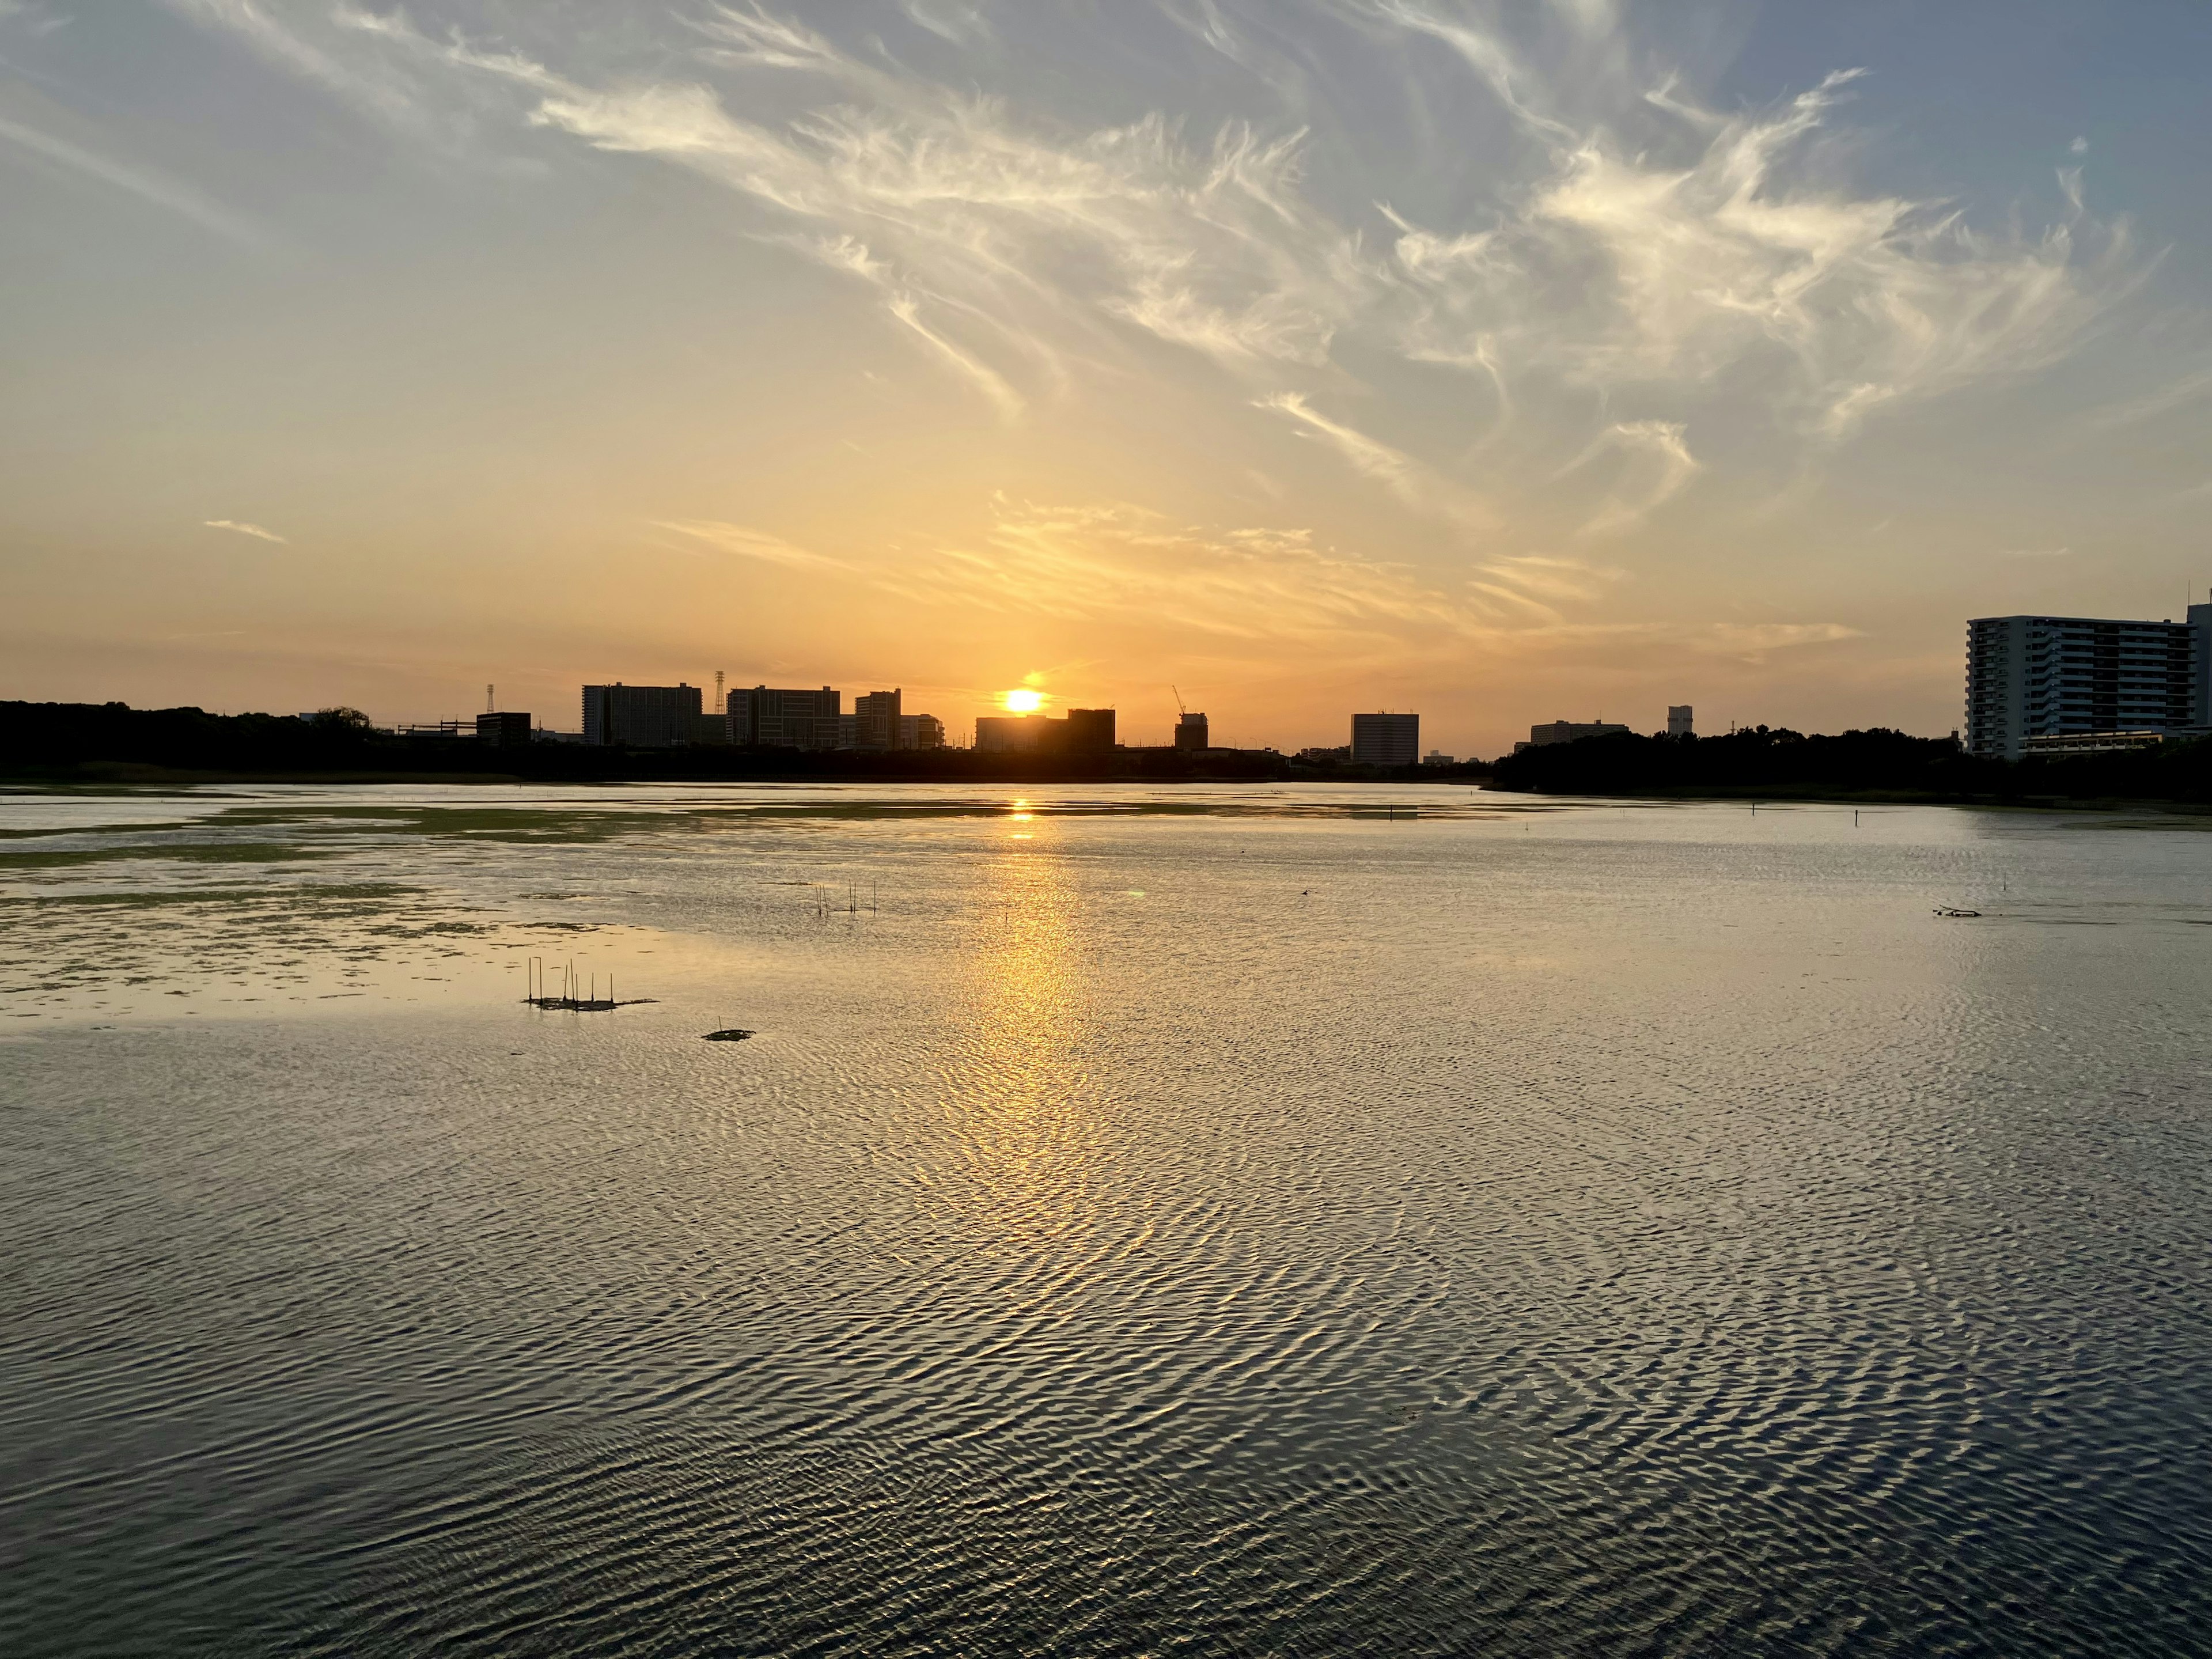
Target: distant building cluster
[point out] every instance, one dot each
(764, 717)
(1680, 723)
(2035, 685)
(814, 719)
(2060, 685)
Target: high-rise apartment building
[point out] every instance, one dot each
(2056, 676)
(785, 719)
(1679, 722)
(1191, 732)
(1386, 739)
(640, 716)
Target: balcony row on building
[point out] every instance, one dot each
(769, 717)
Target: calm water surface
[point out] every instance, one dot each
(1266, 1222)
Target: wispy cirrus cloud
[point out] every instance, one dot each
(1417, 485)
(2176, 395)
(1755, 641)
(1641, 245)
(749, 544)
(239, 526)
(1502, 274)
(1659, 464)
(1250, 594)
(147, 185)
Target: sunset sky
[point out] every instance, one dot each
(1501, 361)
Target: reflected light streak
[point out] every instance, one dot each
(1029, 1149)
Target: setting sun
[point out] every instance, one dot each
(1023, 701)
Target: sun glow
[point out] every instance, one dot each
(1023, 701)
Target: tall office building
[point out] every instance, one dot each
(640, 716)
(876, 720)
(2057, 677)
(1190, 733)
(1678, 720)
(785, 719)
(1386, 739)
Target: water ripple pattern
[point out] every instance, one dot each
(1275, 1222)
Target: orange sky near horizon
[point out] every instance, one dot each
(1500, 363)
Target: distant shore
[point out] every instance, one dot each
(1862, 767)
(93, 745)
(111, 745)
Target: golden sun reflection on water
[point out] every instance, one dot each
(1014, 1098)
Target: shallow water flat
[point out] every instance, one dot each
(1258, 1221)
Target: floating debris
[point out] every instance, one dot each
(1953, 910)
(733, 1034)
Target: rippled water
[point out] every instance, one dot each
(1269, 1222)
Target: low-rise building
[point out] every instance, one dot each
(778, 717)
(1083, 732)
(2054, 745)
(640, 716)
(1572, 732)
(921, 731)
(1013, 734)
(505, 730)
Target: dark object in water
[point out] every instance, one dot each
(733, 1034)
(572, 982)
(1953, 910)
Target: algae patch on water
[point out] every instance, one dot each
(179, 853)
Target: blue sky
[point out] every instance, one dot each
(1504, 361)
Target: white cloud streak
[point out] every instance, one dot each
(1416, 485)
(239, 526)
(1112, 570)
(749, 544)
(164, 192)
